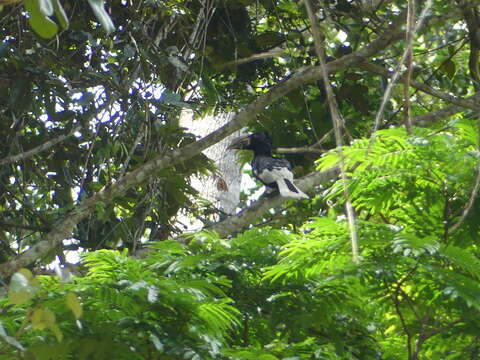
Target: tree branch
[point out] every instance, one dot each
(240, 221)
(425, 335)
(409, 64)
(471, 200)
(391, 85)
(64, 227)
(45, 146)
(264, 55)
(452, 99)
(338, 124)
(298, 150)
(11, 224)
(426, 120)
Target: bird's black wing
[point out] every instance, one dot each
(268, 169)
(276, 173)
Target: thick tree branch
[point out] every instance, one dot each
(64, 227)
(240, 221)
(471, 14)
(426, 120)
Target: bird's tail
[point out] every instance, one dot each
(289, 190)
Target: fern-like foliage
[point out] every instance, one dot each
(402, 179)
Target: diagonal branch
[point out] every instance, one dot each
(391, 85)
(264, 55)
(426, 120)
(38, 149)
(236, 223)
(64, 227)
(468, 103)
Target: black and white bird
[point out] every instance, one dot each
(275, 173)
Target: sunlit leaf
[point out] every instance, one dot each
(73, 303)
(102, 15)
(22, 287)
(60, 14)
(42, 319)
(39, 10)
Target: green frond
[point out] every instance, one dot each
(462, 259)
(409, 243)
(468, 130)
(458, 285)
(322, 251)
(207, 287)
(104, 263)
(218, 317)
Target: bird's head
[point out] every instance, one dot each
(252, 142)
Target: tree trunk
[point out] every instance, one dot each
(221, 188)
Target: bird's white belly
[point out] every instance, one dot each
(276, 174)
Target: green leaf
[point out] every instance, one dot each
(210, 90)
(269, 39)
(39, 20)
(463, 259)
(22, 287)
(267, 357)
(45, 319)
(60, 14)
(449, 68)
(73, 303)
(46, 7)
(102, 16)
(57, 332)
(42, 318)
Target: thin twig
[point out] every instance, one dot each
(425, 335)
(138, 138)
(396, 303)
(337, 127)
(298, 150)
(391, 85)
(254, 57)
(323, 140)
(11, 224)
(408, 76)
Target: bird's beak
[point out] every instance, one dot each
(240, 143)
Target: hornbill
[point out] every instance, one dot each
(275, 173)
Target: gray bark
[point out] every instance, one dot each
(221, 188)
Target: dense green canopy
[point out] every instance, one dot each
(94, 162)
